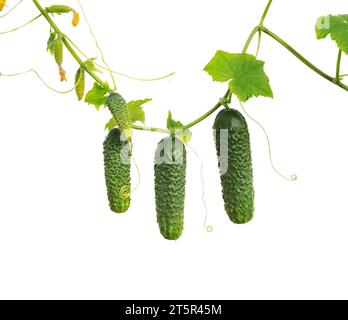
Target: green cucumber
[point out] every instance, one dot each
(117, 171)
(237, 175)
(170, 180)
(119, 110)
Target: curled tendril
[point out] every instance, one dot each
(21, 26)
(208, 228)
(293, 177)
(121, 74)
(96, 42)
(12, 9)
(37, 74)
(125, 192)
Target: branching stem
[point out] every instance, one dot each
(69, 47)
(227, 98)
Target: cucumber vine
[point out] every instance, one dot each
(244, 72)
(246, 78)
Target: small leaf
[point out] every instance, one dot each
(337, 27)
(111, 124)
(246, 73)
(91, 65)
(136, 112)
(177, 128)
(97, 96)
(51, 41)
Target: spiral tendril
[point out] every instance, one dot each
(208, 227)
(293, 177)
(125, 192)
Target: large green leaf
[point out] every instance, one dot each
(246, 73)
(136, 111)
(97, 96)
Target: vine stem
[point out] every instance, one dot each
(203, 117)
(103, 84)
(250, 38)
(152, 129)
(338, 66)
(227, 98)
(69, 47)
(257, 30)
(303, 59)
(265, 13)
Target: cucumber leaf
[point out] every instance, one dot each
(91, 65)
(136, 111)
(111, 124)
(245, 73)
(337, 27)
(177, 128)
(51, 41)
(97, 96)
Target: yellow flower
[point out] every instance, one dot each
(76, 18)
(2, 4)
(62, 74)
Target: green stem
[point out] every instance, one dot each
(203, 117)
(250, 38)
(227, 98)
(69, 47)
(150, 129)
(303, 59)
(258, 43)
(338, 66)
(257, 30)
(265, 13)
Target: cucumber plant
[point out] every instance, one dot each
(245, 76)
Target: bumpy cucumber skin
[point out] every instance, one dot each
(119, 110)
(170, 181)
(237, 182)
(117, 173)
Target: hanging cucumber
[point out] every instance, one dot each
(117, 171)
(235, 163)
(170, 179)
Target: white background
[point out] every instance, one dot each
(58, 238)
